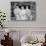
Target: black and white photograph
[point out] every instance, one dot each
(23, 11)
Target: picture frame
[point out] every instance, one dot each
(23, 11)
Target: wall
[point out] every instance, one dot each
(40, 14)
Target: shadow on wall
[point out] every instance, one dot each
(16, 43)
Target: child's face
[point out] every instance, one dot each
(22, 7)
(17, 7)
(26, 6)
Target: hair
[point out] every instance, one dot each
(28, 6)
(24, 6)
(20, 7)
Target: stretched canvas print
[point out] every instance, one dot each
(23, 11)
